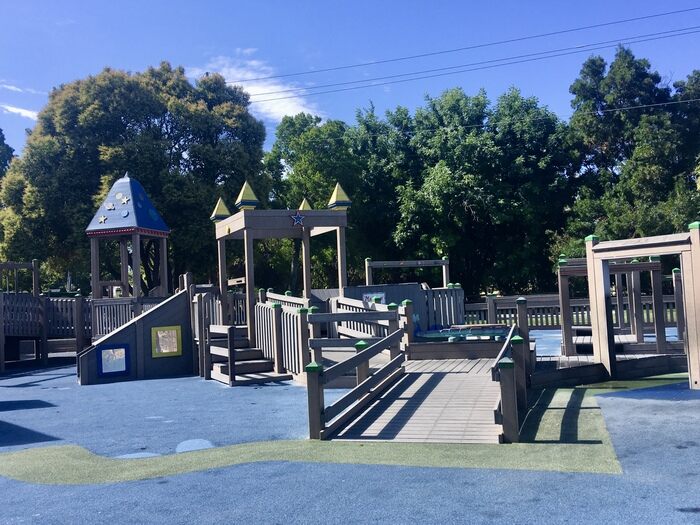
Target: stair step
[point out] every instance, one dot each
(241, 354)
(250, 379)
(220, 346)
(247, 367)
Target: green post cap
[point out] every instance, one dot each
(458, 285)
(591, 238)
(634, 261)
(562, 262)
(694, 225)
(314, 367)
(392, 306)
(654, 258)
(302, 310)
(276, 305)
(376, 299)
(445, 257)
(361, 345)
(676, 270)
(452, 339)
(313, 310)
(270, 290)
(517, 340)
(406, 302)
(562, 256)
(520, 300)
(450, 285)
(506, 362)
(288, 293)
(368, 259)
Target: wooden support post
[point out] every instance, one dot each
(277, 337)
(524, 331)
(446, 272)
(124, 265)
(314, 376)
(2, 332)
(394, 349)
(315, 332)
(406, 322)
(362, 371)
(491, 308)
(619, 301)
(509, 403)
(95, 268)
(249, 284)
(342, 262)
(636, 298)
(690, 268)
(368, 271)
(658, 302)
(678, 296)
(136, 264)
(79, 324)
(36, 287)
(223, 280)
(303, 342)
(566, 317)
(164, 267)
(306, 261)
(521, 360)
(601, 309)
(44, 313)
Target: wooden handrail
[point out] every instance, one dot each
(341, 368)
(353, 316)
(503, 352)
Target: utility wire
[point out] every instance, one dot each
(480, 68)
(467, 48)
(579, 48)
(408, 132)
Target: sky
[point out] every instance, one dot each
(44, 44)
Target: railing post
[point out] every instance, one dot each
(394, 349)
(509, 403)
(314, 388)
(658, 308)
(491, 309)
(520, 359)
(406, 321)
(303, 337)
(36, 288)
(678, 297)
(362, 368)
(368, 271)
(262, 295)
(524, 331)
(315, 331)
(445, 271)
(79, 324)
(44, 309)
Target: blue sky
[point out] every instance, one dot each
(44, 44)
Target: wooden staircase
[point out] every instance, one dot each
(230, 360)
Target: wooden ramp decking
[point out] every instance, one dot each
(435, 401)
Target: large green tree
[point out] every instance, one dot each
(6, 154)
(186, 143)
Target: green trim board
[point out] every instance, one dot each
(166, 341)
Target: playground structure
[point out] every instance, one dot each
(375, 339)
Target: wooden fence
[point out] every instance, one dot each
(110, 314)
(543, 311)
(325, 420)
(282, 336)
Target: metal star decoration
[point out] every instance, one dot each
(298, 219)
(102, 219)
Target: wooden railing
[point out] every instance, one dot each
(543, 311)
(355, 327)
(445, 306)
(287, 300)
(22, 315)
(325, 420)
(62, 313)
(110, 314)
(511, 370)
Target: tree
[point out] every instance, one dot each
(185, 143)
(6, 154)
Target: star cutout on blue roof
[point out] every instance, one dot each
(298, 219)
(102, 219)
(125, 199)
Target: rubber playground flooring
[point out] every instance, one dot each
(639, 438)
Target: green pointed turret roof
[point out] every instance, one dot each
(339, 199)
(220, 212)
(305, 206)
(246, 198)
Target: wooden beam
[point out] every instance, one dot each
(250, 285)
(678, 295)
(136, 263)
(163, 267)
(95, 267)
(635, 298)
(658, 303)
(566, 317)
(342, 262)
(601, 309)
(306, 261)
(124, 265)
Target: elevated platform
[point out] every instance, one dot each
(435, 401)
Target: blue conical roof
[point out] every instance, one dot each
(127, 209)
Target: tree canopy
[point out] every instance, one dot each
(500, 187)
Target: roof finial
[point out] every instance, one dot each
(305, 206)
(339, 199)
(220, 212)
(246, 198)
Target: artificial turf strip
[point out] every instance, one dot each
(74, 465)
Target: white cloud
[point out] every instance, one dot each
(16, 89)
(26, 113)
(242, 67)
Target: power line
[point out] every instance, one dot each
(579, 48)
(485, 124)
(467, 48)
(491, 66)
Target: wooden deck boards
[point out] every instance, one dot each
(436, 401)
